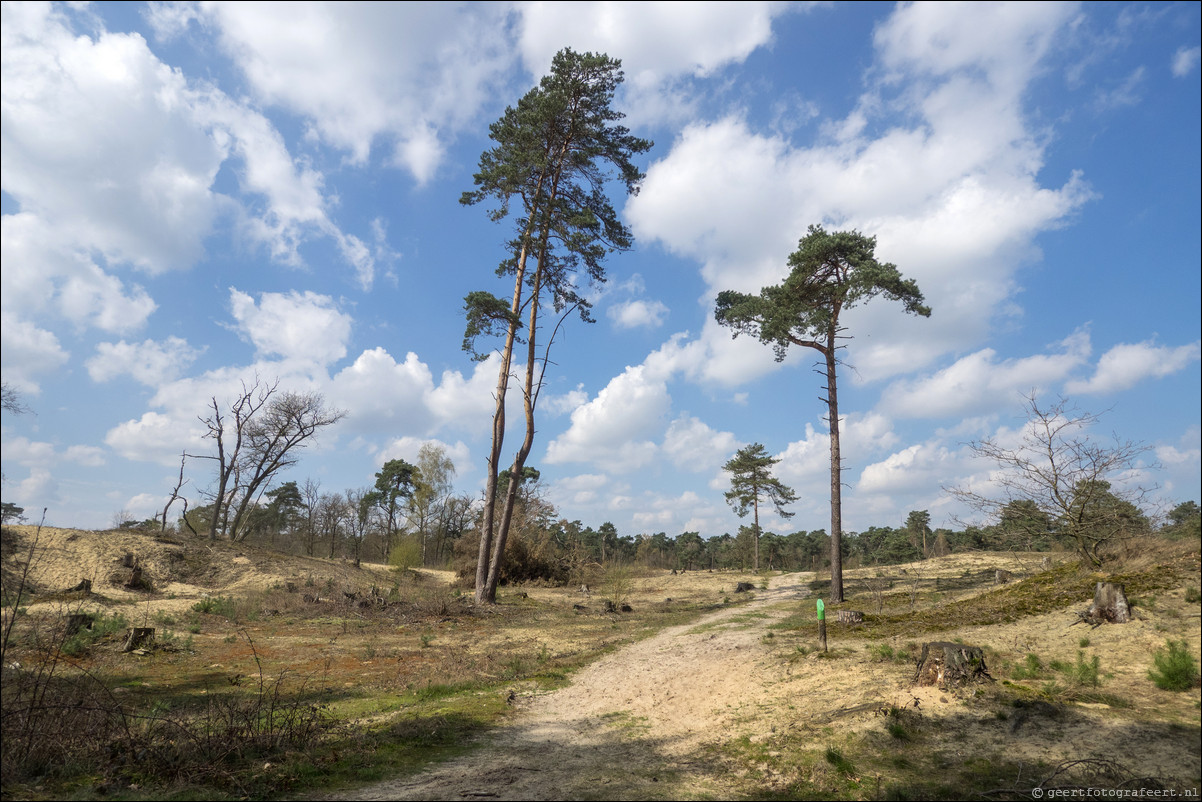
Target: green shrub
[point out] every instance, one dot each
(841, 763)
(217, 605)
(1030, 668)
(102, 626)
(1176, 669)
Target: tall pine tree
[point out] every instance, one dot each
(829, 273)
(555, 152)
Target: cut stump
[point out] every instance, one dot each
(78, 621)
(1109, 605)
(948, 665)
(137, 636)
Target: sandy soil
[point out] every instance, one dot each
(645, 721)
(172, 565)
(637, 724)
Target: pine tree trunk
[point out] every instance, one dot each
(836, 476)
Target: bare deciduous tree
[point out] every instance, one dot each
(257, 437)
(1059, 470)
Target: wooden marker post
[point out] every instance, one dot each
(822, 624)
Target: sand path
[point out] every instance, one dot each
(634, 724)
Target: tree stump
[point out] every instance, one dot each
(1109, 604)
(135, 637)
(849, 617)
(78, 621)
(136, 581)
(948, 665)
(1001, 577)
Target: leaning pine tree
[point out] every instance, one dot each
(829, 274)
(554, 154)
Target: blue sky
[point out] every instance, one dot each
(195, 194)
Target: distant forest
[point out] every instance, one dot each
(441, 530)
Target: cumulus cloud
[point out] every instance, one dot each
(686, 512)
(46, 275)
(637, 313)
(28, 351)
(583, 489)
(157, 437)
(614, 430)
(564, 402)
(693, 446)
(406, 76)
(914, 468)
(119, 153)
(661, 44)
(40, 456)
(981, 383)
(149, 362)
(946, 176)
(305, 327)
(1127, 364)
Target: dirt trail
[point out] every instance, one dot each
(632, 725)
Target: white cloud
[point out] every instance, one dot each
(89, 456)
(170, 19)
(407, 75)
(118, 153)
(28, 352)
(40, 454)
(912, 469)
(952, 193)
(40, 488)
(614, 430)
(580, 490)
(693, 446)
(565, 402)
(1185, 60)
(980, 382)
(686, 512)
(149, 362)
(1128, 364)
(470, 402)
(638, 314)
(662, 45)
(98, 141)
(1126, 93)
(157, 437)
(45, 274)
(305, 327)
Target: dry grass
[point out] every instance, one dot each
(739, 705)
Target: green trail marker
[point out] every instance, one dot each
(822, 623)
